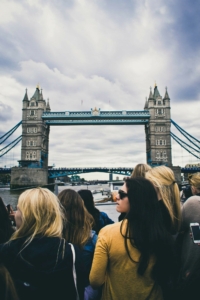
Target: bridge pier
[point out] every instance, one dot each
(28, 177)
(110, 176)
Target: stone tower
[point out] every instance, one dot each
(35, 133)
(33, 166)
(158, 139)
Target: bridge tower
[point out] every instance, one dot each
(158, 139)
(33, 166)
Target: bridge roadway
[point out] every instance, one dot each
(58, 172)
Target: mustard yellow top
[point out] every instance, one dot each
(113, 269)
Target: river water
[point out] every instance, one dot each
(11, 197)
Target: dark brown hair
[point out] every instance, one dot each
(78, 221)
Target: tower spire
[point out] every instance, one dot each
(166, 94)
(150, 94)
(26, 96)
(48, 106)
(41, 95)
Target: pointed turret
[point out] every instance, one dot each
(156, 92)
(150, 94)
(48, 106)
(166, 97)
(146, 104)
(26, 96)
(41, 95)
(36, 95)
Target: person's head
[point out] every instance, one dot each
(195, 183)
(38, 213)
(88, 199)
(7, 287)
(167, 189)
(78, 220)
(137, 197)
(5, 224)
(140, 170)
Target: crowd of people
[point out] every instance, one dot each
(63, 247)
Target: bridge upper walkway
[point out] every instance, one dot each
(97, 117)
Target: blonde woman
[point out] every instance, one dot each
(38, 259)
(168, 195)
(140, 170)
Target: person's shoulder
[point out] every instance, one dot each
(103, 214)
(193, 200)
(110, 228)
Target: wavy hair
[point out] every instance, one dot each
(7, 287)
(41, 215)
(140, 170)
(163, 179)
(79, 222)
(195, 180)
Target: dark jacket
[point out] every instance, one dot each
(87, 255)
(43, 269)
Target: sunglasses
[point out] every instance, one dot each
(122, 194)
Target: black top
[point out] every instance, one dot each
(166, 218)
(43, 270)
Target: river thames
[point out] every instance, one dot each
(11, 197)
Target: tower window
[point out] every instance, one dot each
(31, 143)
(160, 111)
(32, 103)
(160, 142)
(159, 102)
(32, 129)
(32, 112)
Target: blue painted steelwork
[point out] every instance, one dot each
(188, 136)
(7, 134)
(97, 117)
(59, 172)
(184, 145)
(190, 170)
(4, 150)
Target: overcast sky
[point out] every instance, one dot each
(104, 54)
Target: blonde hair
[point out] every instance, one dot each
(79, 221)
(140, 170)
(163, 178)
(41, 215)
(195, 180)
(7, 287)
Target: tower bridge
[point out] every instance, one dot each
(37, 119)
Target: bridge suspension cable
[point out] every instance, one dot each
(4, 137)
(188, 136)
(183, 144)
(4, 150)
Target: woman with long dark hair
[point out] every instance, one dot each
(134, 258)
(101, 219)
(78, 230)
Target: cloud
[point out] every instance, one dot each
(103, 54)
